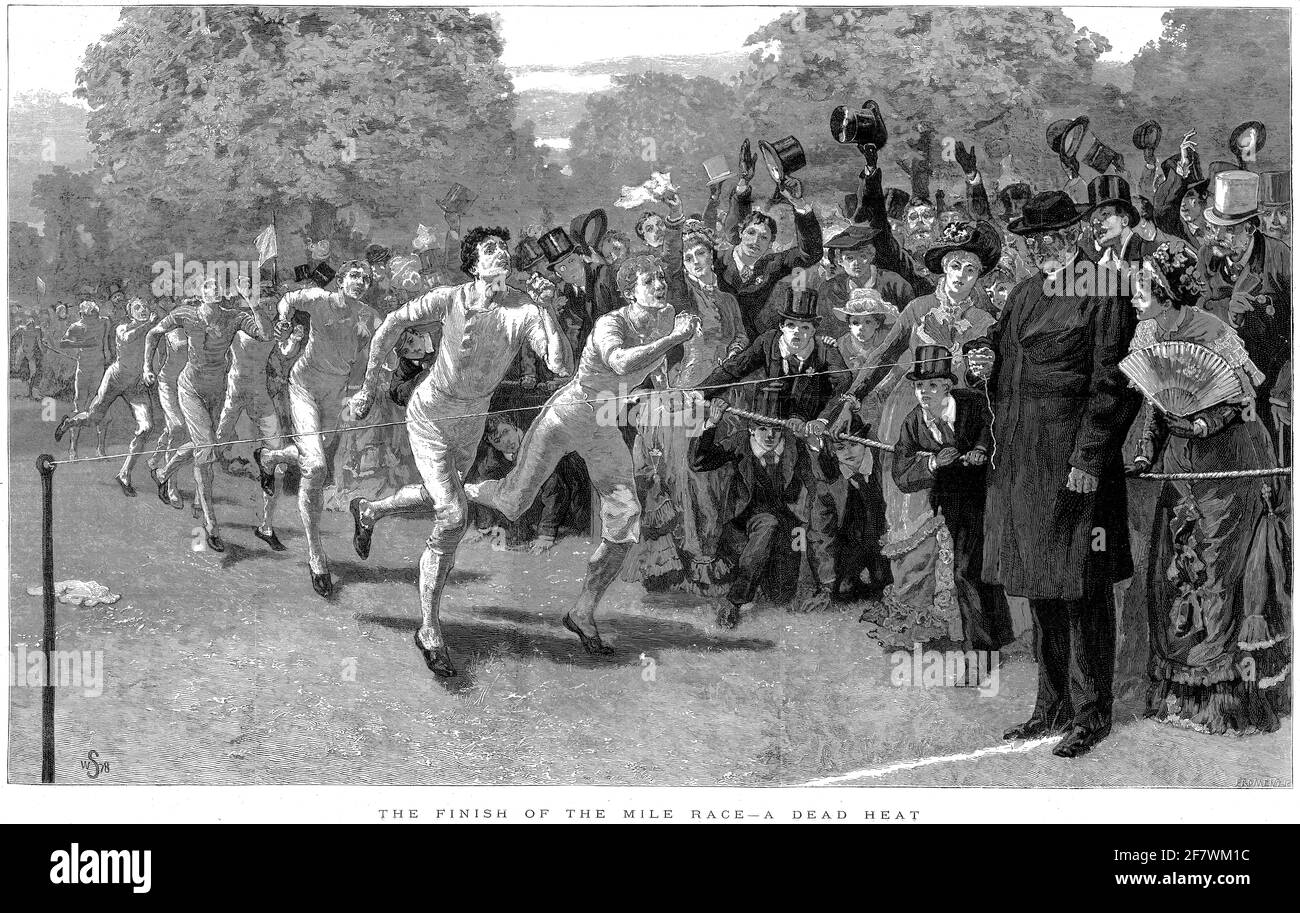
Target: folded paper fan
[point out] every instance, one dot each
(1181, 378)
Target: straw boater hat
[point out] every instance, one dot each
(867, 302)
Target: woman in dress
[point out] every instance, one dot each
(920, 605)
(1218, 604)
(669, 424)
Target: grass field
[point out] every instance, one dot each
(229, 669)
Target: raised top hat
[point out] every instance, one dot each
(1047, 211)
(1236, 198)
(717, 170)
(323, 274)
(802, 306)
(1274, 188)
(1261, 133)
(1112, 190)
(556, 245)
(587, 230)
(863, 127)
(978, 238)
(378, 255)
(457, 199)
(528, 254)
(855, 237)
(302, 272)
(783, 158)
(1065, 137)
(932, 363)
(867, 302)
(1146, 136)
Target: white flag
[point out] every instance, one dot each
(266, 246)
(652, 191)
(40, 286)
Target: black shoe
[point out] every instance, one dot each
(438, 661)
(1036, 727)
(62, 427)
(126, 486)
(266, 478)
(590, 642)
(728, 615)
(360, 532)
(1080, 740)
(270, 539)
(322, 583)
(215, 543)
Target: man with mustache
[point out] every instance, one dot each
(1056, 512)
(890, 253)
(584, 416)
(485, 323)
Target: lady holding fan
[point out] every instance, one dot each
(1218, 583)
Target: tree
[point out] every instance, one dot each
(1215, 68)
(75, 223)
(209, 120)
(44, 131)
(26, 256)
(653, 122)
(966, 73)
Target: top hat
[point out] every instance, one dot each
(1065, 137)
(556, 245)
(1274, 188)
(1112, 190)
(717, 170)
(932, 363)
(855, 237)
(896, 200)
(863, 127)
(456, 200)
(978, 238)
(1050, 210)
(783, 158)
(1236, 198)
(302, 272)
(378, 255)
(1261, 133)
(802, 306)
(1017, 191)
(323, 274)
(1101, 157)
(428, 260)
(588, 229)
(528, 254)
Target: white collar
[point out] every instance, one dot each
(787, 353)
(948, 414)
(776, 451)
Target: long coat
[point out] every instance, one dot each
(806, 397)
(744, 492)
(1059, 401)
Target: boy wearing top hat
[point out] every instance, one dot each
(943, 447)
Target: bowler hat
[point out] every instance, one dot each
(1236, 198)
(1065, 136)
(932, 363)
(1274, 188)
(1050, 210)
(863, 127)
(802, 306)
(1261, 133)
(1112, 190)
(978, 238)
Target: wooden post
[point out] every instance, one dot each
(45, 465)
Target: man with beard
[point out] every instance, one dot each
(583, 416)
(122, 380)
(919, 216)
(748, 270)
(1248, 279)
(1056, 514)
(210, 328)
(485, 323)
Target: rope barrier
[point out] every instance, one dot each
(1212, 476)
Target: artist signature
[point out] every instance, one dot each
(94, 767)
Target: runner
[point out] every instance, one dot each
(174, 359)
(89, 335)
(485, 323)
(122, 380)
(210, 329)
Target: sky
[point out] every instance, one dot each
(46, 43)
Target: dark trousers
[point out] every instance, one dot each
(767, 557)
(1074, 644)
(844, 530)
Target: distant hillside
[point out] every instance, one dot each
(553, 113)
